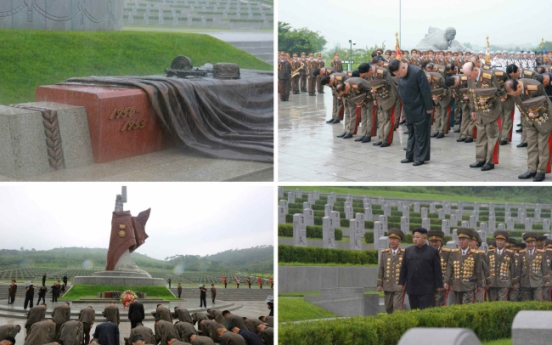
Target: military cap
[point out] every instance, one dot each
(430, 50)
(520, 245)
(336, 53)
(506, 52)
(492, 244)
(530, 236)
(303, 53)
(294, 54)
(420, 230)
(542, 239)
(379, 50)
(501, 234)
(435, 235)
(396, 233)
(319, 54)
(460, 52)
(464, 233)
(548, 243)
(414, 50)
(476, 237)
(388, 50)
(510, 242)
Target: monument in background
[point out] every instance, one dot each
(127, 234)
(69, 15)
(437, 39)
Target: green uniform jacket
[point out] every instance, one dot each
(534, 272)
(464, 272)
(390, 269)
(503, 268)
(486, 80)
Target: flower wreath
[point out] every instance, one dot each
(127, 297)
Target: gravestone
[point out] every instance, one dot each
(455, 235)
(281, 215)
(406, 211)
(532, 327)
(473, 222)
(310, 198)
(491, 207)
(280, 192)
(424, 212)
(501, 226)
(365, 200)
(378, 232)
(332, 198)
(524, 207)
(355, 234)
(459, 215)
(484, 246)
(441, 213)
(368, 212)
(465, 224)
(328, 233)
(306, 205)
(349, 212)
(445, 227)
(507, 208)
(492, 224)
(447, 208)
(381, 200)
(336, 220)
(361, 220)
(405, 224)
(284, 204)
(476, 206)
(349, 200)
(537, 214)
(309, 217)
(417, 207)
(520, 211)
(451, 245)
(432, 208)
(483, 226)
(460, 207)
(546, 225)
(453, 220)
(510, 223)
(316, 195)
(298, 193)
(327, 210)
(387, 210)
(383, 243)
(426, 223)
(440, 336)
(476, 214)
(299, 230)
(291, 197)
(506, 215)
(528, 224)
(383, 220)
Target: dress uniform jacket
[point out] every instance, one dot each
(111, 313)
(337, 64)
(209, 328)
(61, 314)
(444, 253)
(229, 338)
(35, 315)
(465, 272)
(502, 268)
(252, 324)
(485, 80)
(183, 329)
(87, 315)
(534, 271)
(71, 333)
(388, 95)
(234, 321)
(389, 269)
(216, 315)
(41, 333)
(438, 82)
(183, 314)
(8, 331)
(201, 340)
(164, 331)
(145, 332)
(163, 313)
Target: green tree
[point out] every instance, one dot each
(299, 40)
(547, 47)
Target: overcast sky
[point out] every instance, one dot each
(372, 22)
(187, 219)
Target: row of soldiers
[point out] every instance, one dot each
(369, 96)
(508, 271)
(214, 327)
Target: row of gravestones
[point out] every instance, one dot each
(195, 21)
(185, 11)
(199, 7)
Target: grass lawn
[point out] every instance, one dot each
(88, 291)
(314, 293)
(296, 309)
(375, 192)
(499, 342)
(33, 58)
(328, 264)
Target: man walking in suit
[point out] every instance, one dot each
(417, 108)
(135, 313)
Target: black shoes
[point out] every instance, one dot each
(504, 142)
(360, 139)
(434, 135)
(487, 167)
(348, 136)
(457, 130)
(342, 135)
(460, 140)
(440, 135)
(384, 144)
(477, 165)
(330, 121)
(417, 163)
(539, 177)
(468, 140)
(519, 130)
(521, 145)
(336, 121)
(377, 143)
(527, 175)
(366, 139)
(406, 160)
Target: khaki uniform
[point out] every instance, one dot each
(388, 104)
(71, 333)
(201, 340)
(60, 315)
(183, 314)
(87, 316)
(507, 108)
(164, 331)
(338, 103)
(388, 278)
(465, 274)
(295, 65)
(534, 273)
(515, 294)
(467, 123)
(183, 329)
(311, 64)
(162, 313)
(284, 76)
(42, 332)
(337, 64)
(359, 86)
(209, 329)
(319, 64)
(35, 315)
(441, 121)
(303, 74)
(503, 272)
(444, 253)
(525, 73)
(229, 338)
(111, 313)
(538, 151)
(487, 127)
(485, 265)
(8, 331)
(145, 332)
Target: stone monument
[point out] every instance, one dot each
(437, 39)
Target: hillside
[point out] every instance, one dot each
(34, 58)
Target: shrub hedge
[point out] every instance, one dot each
(490, 321)
(286, 230)
(326, 256)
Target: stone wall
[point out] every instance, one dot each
(315, 278)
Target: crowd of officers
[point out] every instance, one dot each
(508, 271)
(369, 96)
(171, 328)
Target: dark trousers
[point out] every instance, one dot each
(418, 145)
(213, 298)
(28, 300)
(202, 301)
(134, 323)
(179, 294)
(11, 299)
(86, 332)
(54, 297)
(43, 298)
(421, 301)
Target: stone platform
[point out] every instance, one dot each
(309, 151)
(119, 278)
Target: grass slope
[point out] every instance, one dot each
(34, 58)
(499, 342)
(296, 309)
(87, 291)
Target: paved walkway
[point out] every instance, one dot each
(310, 152)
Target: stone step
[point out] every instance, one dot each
(263, 50)
(254, 294)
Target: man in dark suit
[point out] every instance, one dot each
(135, 313)
(421, 272)
(417, 108)
(107, 333)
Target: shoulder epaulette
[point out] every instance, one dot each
(446, 249)
(508, 251)
(549, 249)
(541, 251)
(456, 250)
(386, 250)
(481, 252)
(522, 251)
(491, 251)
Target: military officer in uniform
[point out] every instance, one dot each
(337, 63)
(533, 270)
(458, 84)
(332, 81)
(516, 72)
(319, 64)
(295, 75)
(475, 243)
(503, 268)
(436, 240)
(508, 104)
(485, 113)
(354, 92)
(389, 271)
(464, 270)
(311, 66)
(304, 72)
(537, 127)
(441, 101)
(284, 76)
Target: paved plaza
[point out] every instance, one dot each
(309, 151)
